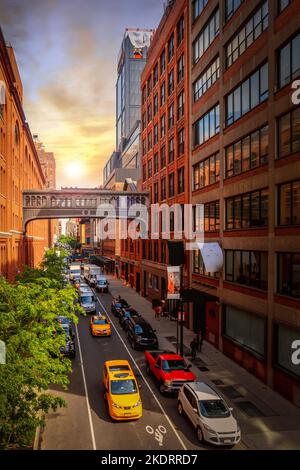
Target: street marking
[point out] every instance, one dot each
(159, 433)
(144, 379)
(86, 393)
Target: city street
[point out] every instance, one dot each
(78, 427)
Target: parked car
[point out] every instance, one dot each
(100, 326)
(65, 328)
(117, 305)
(209, 414)
(170, 370)
(121, 391)
(140, 334)
(126, 313)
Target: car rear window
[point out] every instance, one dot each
(117, 367)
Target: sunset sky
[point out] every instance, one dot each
(67, 52)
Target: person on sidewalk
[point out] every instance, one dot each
(157, 311)
(193, 346)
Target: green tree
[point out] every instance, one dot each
(71, 241)
(51, 267)
(28, 326)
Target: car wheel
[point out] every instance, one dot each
(180, 409)
(199, 434)
(162, 388)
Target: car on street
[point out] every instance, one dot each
(209, 414)
(87, 300)
(126, 313)
(65, 328)
(117, 305)
(121, 391)
(101, 283)
(169, 369)
(140, 334)
(100, 326)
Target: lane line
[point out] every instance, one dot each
(86, 393)
(144, 378)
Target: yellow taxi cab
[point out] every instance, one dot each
(100, 325)
(121, 391)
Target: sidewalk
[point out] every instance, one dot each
(267, 420)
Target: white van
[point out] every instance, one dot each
(101, 283)
(87, 300)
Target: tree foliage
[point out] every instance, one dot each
(28, 326)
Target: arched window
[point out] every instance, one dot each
(17, 134)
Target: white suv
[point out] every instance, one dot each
(209, 414)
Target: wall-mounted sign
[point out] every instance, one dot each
(212, 256)
(173, 282)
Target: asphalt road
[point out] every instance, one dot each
(85, 423)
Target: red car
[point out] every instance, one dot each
(170, 370)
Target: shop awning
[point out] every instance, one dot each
(212, 256)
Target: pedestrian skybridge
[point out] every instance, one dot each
(79, 203)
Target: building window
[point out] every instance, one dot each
(180, 105)
(180, 142)
(17, 134)
(171, 47)
(149, 168)
(171, 116)
(247, 210)
(163, 62)
(247, 34)
(211, 216)
(171, 82)
(163, 94)
(163, 256)
(180, 180)
(180, 30)
(155, 134)
(156, 163)
(247, 153)
(206, 79)
(199, 266)
(289, 133)
(144, 94)
(171, 185)
(206, 36)
(285, 336)
(171, 150)
(282, 4)
(163, 189)
(230, 8)
(163, 157)
(246, 329)
(149, 85)
(155, 104)
(198, 7)
(155, 193)
(144, 121)
(288, 265)
(144, 147)
(206, 172)
(289, 61)
(289, 203)
(149, 113)
(155, 74)
(248, 268)
(150, 141)
(144, 173)
(180, 68)
(247, 95)
(207, 126)
(163, 126)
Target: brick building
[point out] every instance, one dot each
(19, 169)
(165, 135)
(245, 169)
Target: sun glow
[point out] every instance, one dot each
(74, 170)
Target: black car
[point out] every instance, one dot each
(68, 349)
(125, 314)
(140, 334)
(117, 305)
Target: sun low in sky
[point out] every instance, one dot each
(67, 56)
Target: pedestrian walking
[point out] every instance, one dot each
(157, 311)
(193, 346)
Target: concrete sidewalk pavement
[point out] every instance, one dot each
(267, 420)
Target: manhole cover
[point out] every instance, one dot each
(231, 392)
(250, 409)
(218, 382)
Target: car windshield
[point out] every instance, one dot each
(138, 330)
(174, 364)
(123, 387)
(100, 321)
(102, 283)
(214, 409)
(86, 299)
(75, 271)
